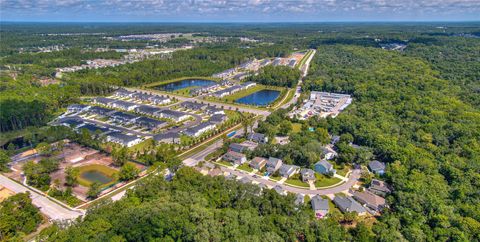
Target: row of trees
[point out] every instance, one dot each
(282, 76)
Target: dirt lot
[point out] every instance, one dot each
(74, 155)
(5, 193)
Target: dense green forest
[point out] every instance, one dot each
(282, 76)
(194, 207)
(415, 120)
(418, 110)
(18, 217)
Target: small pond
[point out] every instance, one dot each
(96, 176)
(173, 86)
(260, 98)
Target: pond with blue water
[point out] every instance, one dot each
(173, 86)
(260, 98)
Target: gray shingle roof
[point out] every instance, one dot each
(319, 203)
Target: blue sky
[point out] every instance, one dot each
(238, 10)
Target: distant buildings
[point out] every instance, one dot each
(323, 104)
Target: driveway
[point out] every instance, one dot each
(53, 210)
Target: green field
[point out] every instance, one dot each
(105, 170)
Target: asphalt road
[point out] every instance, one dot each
(53, 210)
(298, 88)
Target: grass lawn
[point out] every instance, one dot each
(342, 172)
(290, 93)
(224, 163)
(296, 127)
(105, 170)
(323, 181)
(245, 167)
(296, 182)
(275, 178)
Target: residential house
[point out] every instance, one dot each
(217, 118)
(100, 111)
(247, 85)
(324, 167)
(150, 123)
(348, 204)
(128, 106)
(273, 164)
(320, 206)
(237, 147)
(104, 101)
(370, 200)
(123, 139)
(379, 187)
(288, 170)
(148, 110)
(174, 115)
(143, 97)
(92, 128)
(258, 163)
(258, 137)
(123, 93)
(77, 108)
(198, 130)
(328, 153)
(122, 117)
(170, 138)
(159, 100)
(308, 175)
(193, 106)
(211, 110)
(377, 167)
(250, 145)
(71, 123)
(235, 157)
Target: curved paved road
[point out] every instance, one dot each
(352, 179)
